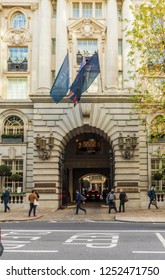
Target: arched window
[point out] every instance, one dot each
(14, 125)
(19, 21)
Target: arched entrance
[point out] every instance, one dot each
(86, 153)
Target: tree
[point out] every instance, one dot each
(147, 54)
(4, 171)
(16, 178)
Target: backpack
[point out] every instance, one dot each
(149, 193)
(111, 196)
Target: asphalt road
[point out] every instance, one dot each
(82, 241)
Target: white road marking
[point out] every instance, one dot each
(94, 240)
(11, 242)
(31, 251)
(162, 240)
(148, 252)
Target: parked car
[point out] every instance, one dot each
(93, 196)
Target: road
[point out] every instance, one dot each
(84, 240)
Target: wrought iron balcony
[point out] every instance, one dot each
(17, 66)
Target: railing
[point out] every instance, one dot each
(15, 198)
(160, 196)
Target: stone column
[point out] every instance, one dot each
(61, 33)
(112, 45)
(71, 183)
(127, 14)
(34, 51)
(44, 80)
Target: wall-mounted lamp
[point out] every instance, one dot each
(128, 145)
(44, 148)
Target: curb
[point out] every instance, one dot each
(20, 219)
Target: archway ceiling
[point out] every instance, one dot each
(85, 129)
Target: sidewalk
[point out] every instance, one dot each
(93, 214)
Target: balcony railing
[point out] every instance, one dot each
(17, 66)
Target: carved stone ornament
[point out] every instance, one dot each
(87, 28)
(53, 4)
(34, 7)
(17, 37)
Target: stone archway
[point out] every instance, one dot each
(87, 152)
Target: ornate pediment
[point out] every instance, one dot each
(87, 28)
(17, 37)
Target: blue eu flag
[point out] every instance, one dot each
(61, 83)
(85, 78)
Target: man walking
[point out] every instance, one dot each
(79, 198)
(152, 196)
(6, 198)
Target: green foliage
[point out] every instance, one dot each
(4, 170)
(158, 176)
(11, 135)
(16, 177)
(147, 55)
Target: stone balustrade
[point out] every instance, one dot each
(17, 198)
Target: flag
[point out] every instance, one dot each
(83, 62)
(61, 83)
(84, 79)
(71, 93)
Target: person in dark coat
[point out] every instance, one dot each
(152, 196)
(6, 198)
(79, 199)
(122, 196)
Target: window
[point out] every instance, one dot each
(76, 10)
(98, 10)
(120, 54)
(156, 166)
(19, 21)
(13, 125)
(119, 13)
(17, 88)
(87, 10)
(94, 86)
(18, 54)
(120, 79)
(89, 46)
(16, 166)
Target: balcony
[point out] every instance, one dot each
(17, 66)
(12, 138)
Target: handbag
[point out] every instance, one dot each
(153, 202)
(36, 203)
(126, 198)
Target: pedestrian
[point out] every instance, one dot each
(79, 199)
(32, 197)
(111, 198)
(152, 197)
(122, 198)
(36, 203)
(6, 198)
(104, 195)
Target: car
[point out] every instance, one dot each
(93, 196)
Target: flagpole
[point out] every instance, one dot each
(101, 82)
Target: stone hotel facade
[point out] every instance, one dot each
(55, 145)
